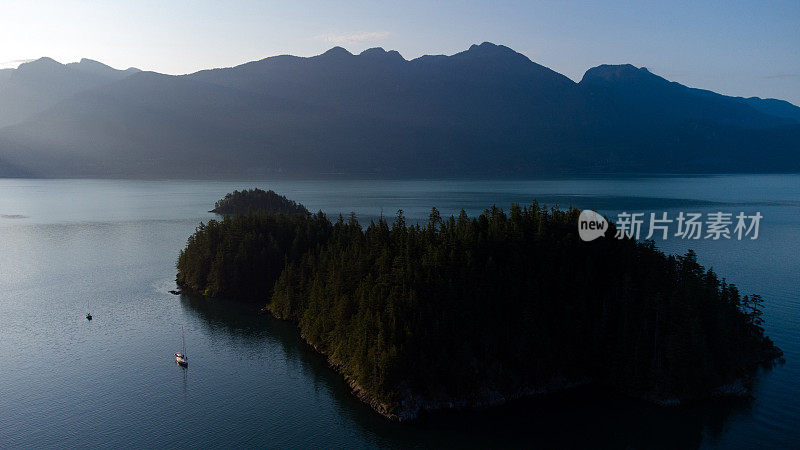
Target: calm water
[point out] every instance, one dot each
(65, 381)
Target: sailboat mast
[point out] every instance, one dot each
(183, 341)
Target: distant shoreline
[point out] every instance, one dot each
(374, 176)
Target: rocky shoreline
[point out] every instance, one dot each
(411, 406)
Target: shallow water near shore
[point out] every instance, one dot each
(110, 246)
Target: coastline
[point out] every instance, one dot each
(411, 406)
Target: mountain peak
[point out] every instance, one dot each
(90, 63)
(38, 68)
(618, 73)
(42, 62)
(484, 45)
(337, 52)
(379, 52)
(488, 48)
(374, 51)
(90, 66)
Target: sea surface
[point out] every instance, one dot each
(109, 247)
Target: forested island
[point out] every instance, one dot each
(474, 311)
(240, 202)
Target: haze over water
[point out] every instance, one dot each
(111, 246)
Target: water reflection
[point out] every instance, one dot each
(241, 323)
(253, 383)
(579, 418)
(263, 333)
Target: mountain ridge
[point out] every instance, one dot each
(485, 111)
(37, 85)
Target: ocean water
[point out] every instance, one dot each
(110, 247)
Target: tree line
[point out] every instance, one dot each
(240, 202)
(503, 301)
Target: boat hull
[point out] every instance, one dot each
(181, 360)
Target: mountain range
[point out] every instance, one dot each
(484, 112)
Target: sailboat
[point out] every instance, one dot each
(88, 314)
(180, 358)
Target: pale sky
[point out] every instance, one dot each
(744, 48)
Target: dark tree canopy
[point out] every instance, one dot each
(241, 256)
(240, 202)
(502, 302)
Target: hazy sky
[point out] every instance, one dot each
(747, 48)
